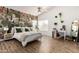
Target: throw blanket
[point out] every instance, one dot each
(32, 37)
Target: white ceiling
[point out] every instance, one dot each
(33, 10)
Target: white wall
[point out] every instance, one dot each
(68, 15)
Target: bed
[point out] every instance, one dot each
(24, 35)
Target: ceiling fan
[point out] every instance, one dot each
(41, 9)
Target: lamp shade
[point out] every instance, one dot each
(5, 28)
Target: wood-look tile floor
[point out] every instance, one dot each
(46, 45)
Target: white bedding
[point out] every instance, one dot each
(30, 36)
(21, 35)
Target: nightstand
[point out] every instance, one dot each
(7, 36)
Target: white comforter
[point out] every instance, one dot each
(26, 37)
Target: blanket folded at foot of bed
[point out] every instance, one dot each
(32, 37)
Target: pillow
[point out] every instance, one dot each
(26, 30)
(31, 29)
(18, 30)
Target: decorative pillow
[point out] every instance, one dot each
(26, 30)
(18, 30)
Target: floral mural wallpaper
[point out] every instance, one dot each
(11, 18)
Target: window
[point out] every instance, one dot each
(43, 25)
